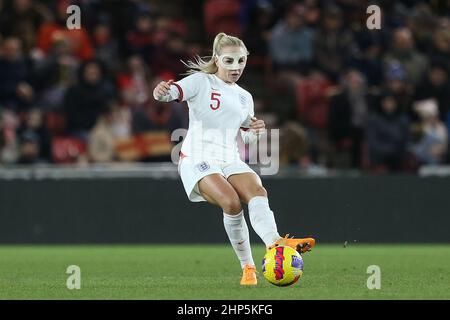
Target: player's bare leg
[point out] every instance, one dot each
(216, 190)
(251, 191)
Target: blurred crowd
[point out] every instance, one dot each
(342, 95)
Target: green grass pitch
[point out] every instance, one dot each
(212, 272)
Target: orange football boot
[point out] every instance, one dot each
(249, 275)
(301, 245)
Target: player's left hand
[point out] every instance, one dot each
(257, 126)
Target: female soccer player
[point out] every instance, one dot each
(210, 167)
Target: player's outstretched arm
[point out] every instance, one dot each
(163, 92)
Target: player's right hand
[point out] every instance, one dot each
(162, 89)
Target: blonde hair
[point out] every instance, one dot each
(202, 64)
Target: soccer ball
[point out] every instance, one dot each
(282, 266)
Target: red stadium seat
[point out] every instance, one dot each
(67, 149)
(222, 16)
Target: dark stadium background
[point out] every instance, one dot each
(363, 117)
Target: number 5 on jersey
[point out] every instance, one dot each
(214, 96)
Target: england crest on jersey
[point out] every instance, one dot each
(203, 166)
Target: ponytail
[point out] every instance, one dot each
(202, 64)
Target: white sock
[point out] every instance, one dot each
(237, 232)
(263, 220)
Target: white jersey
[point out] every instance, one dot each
(217, 112)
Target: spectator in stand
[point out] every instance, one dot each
(22, 19)
(168, 56)
(396, 82)
(436, 85)
(9, 141)
(29, 148)
(141, 40)
(387, 134)
(349, 110)
(422, 23)
(313, 13)
(15, 91)
(291, 45)
(367, 59)
(54, 74)
(78, 39)
(113, 124)
(118, 120)
(403, 51)
(35, 139)
(106, 47)
(294, 145)
(134, 83)
(87, 99)
(333, 44)
(440, 49)
(432, 141)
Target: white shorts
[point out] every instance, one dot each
(191, 173)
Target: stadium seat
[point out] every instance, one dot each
(67, 149)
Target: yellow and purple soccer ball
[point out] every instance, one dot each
(282, 266)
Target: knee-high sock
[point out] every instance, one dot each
(263, 220)
(237, 232)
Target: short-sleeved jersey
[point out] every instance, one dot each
(217, 110)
